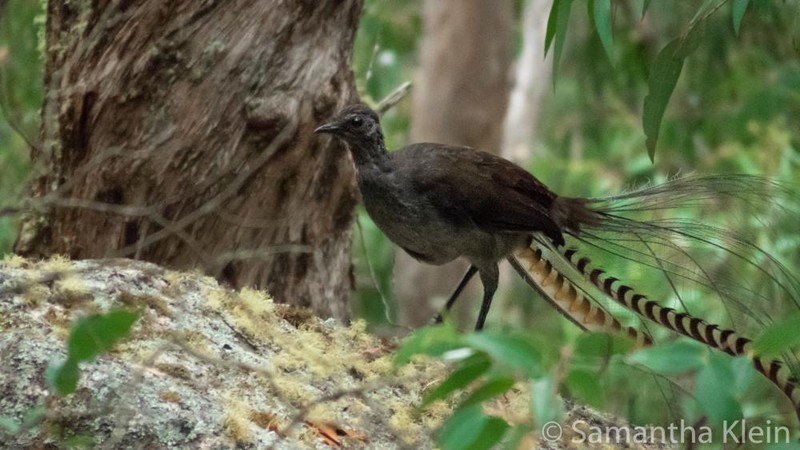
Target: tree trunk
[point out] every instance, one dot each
(180, 132)
(531, 83)
(460, 98)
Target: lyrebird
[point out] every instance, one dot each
(440, 202)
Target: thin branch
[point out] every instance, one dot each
(393, 98)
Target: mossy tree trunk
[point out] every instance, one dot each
(180, 132)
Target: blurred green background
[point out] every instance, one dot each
(21, 22)
(736, 109)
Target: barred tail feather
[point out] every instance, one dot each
(617, 222)
(681, 232)
(540, 274)
(683, 323)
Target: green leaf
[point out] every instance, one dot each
(432, 341)
(600, 14)
(675, 357)
(546, 404)
(510, 349)
(471, 429)
(494, 428)
(700, 14)
(739, 7)
(471, 368)
(744, 373)
(89, 337)
(515, 436)
(663, 78)
(602, 345)
(645, 5)
(691, 40)
(490, 389)
(95, 334)
(585, 385)
(779, 337)
(550, 31)
(712, 389)
(63, 378)
(556, 32)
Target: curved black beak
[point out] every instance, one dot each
(330, 127)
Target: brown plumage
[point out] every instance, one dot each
(441, 202)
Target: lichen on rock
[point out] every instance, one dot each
(204, 366)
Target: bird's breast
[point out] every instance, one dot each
(407, 220)
(420, 228)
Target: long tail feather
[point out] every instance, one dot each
(698, 329)
(668, 230)
(540, 274)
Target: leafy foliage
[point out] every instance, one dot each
(739, 7)
(492, 362)
(664, 69)
(676, 357)
(20, 100)
(90, 336)
(470, 428)
(468, 371)
(663, 78)
(713, 390)
(488, 366)
(714, 88)
(728, 109)
(600, 16)
(780, 337)
(557, 30)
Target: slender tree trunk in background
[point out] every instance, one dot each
(460, 97)
(531, 82)
(180, 132)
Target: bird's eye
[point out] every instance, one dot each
(356, 121)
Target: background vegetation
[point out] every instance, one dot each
(20, 100)
(735, 109)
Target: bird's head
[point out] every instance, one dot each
(358, 125)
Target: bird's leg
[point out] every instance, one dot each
(454, 296)
(489, 278)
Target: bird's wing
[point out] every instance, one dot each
(470, 186)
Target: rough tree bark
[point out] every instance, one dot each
(180, 132)
(460, 98)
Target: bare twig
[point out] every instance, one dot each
(393, 98)
(384, 299)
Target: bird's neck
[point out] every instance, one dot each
(370, 153)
